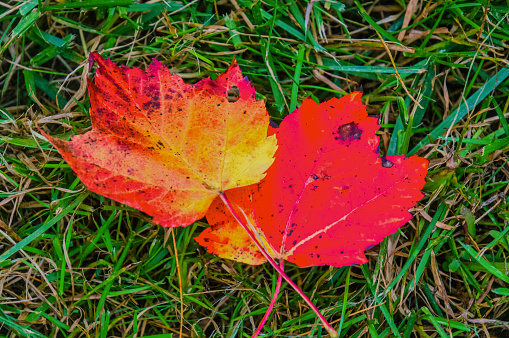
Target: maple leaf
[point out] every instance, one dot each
(327, 197)
(169, 148)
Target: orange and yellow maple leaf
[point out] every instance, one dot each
(169, 148)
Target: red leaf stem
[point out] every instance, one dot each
(272, 301)
(325, 323)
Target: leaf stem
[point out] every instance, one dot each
(180, 283)
(326, 324)
(272, 301)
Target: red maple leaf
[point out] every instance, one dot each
(327, 197)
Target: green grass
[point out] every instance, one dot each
(75, 264)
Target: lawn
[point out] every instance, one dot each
(76, 264)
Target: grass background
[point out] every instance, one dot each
(74, 264)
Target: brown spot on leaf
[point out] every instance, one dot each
(348, 132)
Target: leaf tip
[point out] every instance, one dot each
(356, 96)
(96, 57)
(91, 59)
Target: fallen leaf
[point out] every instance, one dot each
(169, 148)
(327, 197)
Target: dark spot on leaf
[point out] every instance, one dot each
(348, 132)
(386, 163)
(315, 177)
(154, 103)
